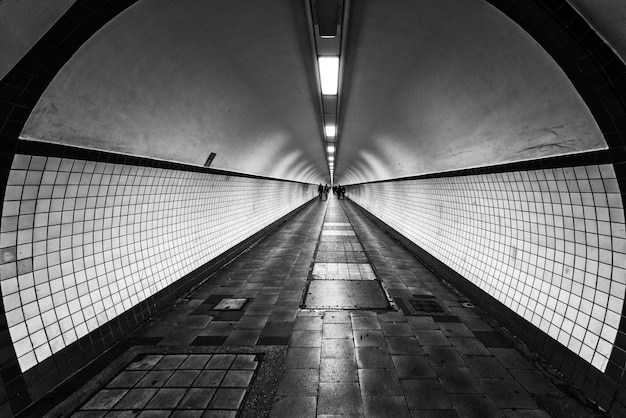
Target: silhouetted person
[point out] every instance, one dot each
(320, 190)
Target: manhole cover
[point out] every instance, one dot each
(345, 294)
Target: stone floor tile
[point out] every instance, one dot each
(455, 329)
(303, 358)
(258, 310)
(155, 378)
(243, 337)
(136, 398)
(331, 331)
(508, 394)
(338, 348)
(422, 322)
(338, 370)
(277, 329)
(475, 406)
(425, 394)
(252, 322)
(298, 382)
(470, 346)
(308, 323)
(413, 367)
(392, 317)
(182, 378)
(166, 398)
(127, 379)
(196, 361)
(385, 406)
(283, 315)
(209, 378)
(525, 413)
(369, 339)
(535, 382)
(227, 398)
(511, 358)
(339, 398)
(434, 413)
(187, 414)
(404, 345)
(218, 328)
(373, 358)
(154, 413)
(220, 361)
(394, 329)
(379, 382)
(245, 362)
(486, 366)
(305, 339)
(431, 337)
(294, 407)
(195, 322)
(458, 380)
(365, 323)
(237, 379)
(337, 317)
(170, 362)
(197, 398)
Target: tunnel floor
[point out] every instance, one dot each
(326, 316)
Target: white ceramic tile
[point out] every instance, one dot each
(552, 229)
(93, 233)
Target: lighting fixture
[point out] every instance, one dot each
(330, 130)
(330, 148)
(329, 74)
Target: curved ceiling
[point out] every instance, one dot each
(427, 86)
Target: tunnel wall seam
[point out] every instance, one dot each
(548, 244)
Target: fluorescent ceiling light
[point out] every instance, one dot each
(329, 74)
(330, 130)
(331, 158)
(330, 148)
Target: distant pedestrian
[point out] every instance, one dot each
(320, 191)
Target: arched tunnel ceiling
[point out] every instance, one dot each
(428, 86)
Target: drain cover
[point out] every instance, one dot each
(345, 294)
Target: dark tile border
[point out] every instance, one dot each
(258, 401)
(598, 387)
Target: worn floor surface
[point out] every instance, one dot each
(379, 336)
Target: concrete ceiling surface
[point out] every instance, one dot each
(179, 80)
(428, 86)
(449, 84)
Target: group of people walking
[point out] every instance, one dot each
(338, 190)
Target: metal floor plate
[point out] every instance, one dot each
(345, 294)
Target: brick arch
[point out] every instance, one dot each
(595, 71)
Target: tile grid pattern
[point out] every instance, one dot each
(549, 244)
(364, 363)
(211, 384)
(84, 241)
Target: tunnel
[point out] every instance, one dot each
(161, 166)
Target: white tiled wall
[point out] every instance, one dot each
(549, 244)
(82, 241)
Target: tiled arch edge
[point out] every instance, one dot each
(593, 68)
